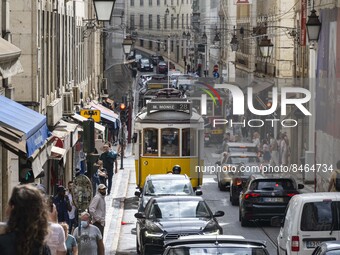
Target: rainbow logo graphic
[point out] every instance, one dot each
(213, 93)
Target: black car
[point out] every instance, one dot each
(165, 185)
(264, 197)
(221, 244)
(167, 218)
(327, 248)
(144, 65)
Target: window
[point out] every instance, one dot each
(150, 44)
(150, 141)
(320, 216)
(132, 2)
(177, 21)
(158, 21)
(189, 142)
(141, 3)
(165, 2)
(158, 45)
(132, 21)
(172, 21)
(170, 142)
(141, 21)
(150, 2)
(165, 22)
(183, 21)
(150, 21)
(172, 46)
(158, 2)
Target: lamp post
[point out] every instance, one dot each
(266, 48)
(104, 9)
(205, 42)
(313, 26)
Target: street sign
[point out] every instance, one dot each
(82, 192)
(94, 114)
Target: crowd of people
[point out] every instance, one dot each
(39, 224)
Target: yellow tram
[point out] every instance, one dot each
(169, 132)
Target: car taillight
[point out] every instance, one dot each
(237, 182)
(291, 194)
(249, 195)
(295, 243)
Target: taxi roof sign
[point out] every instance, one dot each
(88, 113)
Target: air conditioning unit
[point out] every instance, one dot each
(54, 112)
(76, 95)
(104, 84)
(68, 108)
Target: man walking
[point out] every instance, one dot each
(97, 208)
(109, 157)
(90, 240)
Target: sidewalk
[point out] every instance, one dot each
(115, 203)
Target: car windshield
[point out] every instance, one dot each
(243, 160)
(242, 149)
(145, 61)
(179, 209)
(216, 251)
(168, 187)
(273, 185)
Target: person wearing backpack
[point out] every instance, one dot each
(334, 182)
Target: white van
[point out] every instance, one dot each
(310, 219)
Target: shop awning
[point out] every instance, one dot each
(80, 118)
(105, 112)
(21, 125)
(9, 59)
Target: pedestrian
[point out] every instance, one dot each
(109, 158)
(279, 141)
(266, 151)
(122, 138)
(72, 215)
(63, 204)
(71, 243)
(334, 182)
(97, 208)
(284, 150)
(273, 146)
(101, 172)
(56, 236)
(90, 240)
(226, 140)
(27, 227)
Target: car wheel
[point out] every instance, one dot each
(244, 222)
(221, 187)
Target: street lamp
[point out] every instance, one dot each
(127, 45)
(313, 26)
(266, 48)
(234, 43)
(104, 9)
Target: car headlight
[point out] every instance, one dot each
(212, 232)
(153, 234)
(211, 228)
(151, 66)
(142, 66)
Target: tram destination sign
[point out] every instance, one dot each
(169, 106)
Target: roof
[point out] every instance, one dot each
(177, 198)
(221, 239)
(167, 176)
(233, 144)
(318, 196)
(240, 154)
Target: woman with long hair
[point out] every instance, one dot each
(27, 225)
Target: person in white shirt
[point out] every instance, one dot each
(56, 236)
(72, 215)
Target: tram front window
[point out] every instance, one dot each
(150, 141)
(170, 142)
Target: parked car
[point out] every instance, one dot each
(167, 218)
(221, 244)
(155, 59)
(310, 219)
(165, 185)
(264, 197)
(144, 65)
(231, 163)
(328, 248)
(162, 67)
